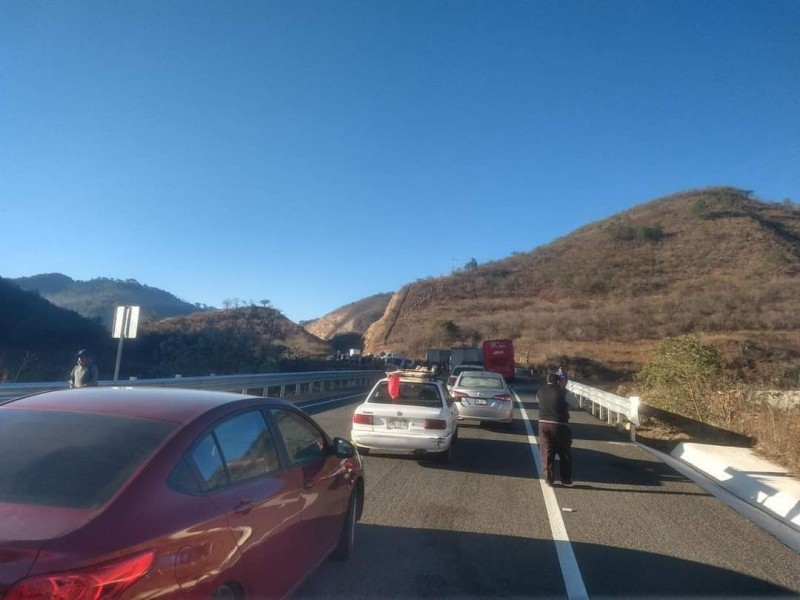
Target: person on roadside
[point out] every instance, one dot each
(562, 373)
(84, 373)
(555, 435)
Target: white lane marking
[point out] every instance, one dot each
(330, 401)
(573, 580)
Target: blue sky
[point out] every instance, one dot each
(315, 153)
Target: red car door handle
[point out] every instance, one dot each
(243, 507)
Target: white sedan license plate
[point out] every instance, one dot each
(397, 424)
(480, 400)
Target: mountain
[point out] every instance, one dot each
(715, 262)
(98, 298)
(38, 340)
(355, 317)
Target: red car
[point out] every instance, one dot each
(159, 493)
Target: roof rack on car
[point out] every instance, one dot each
(421, 374)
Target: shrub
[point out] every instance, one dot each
(682, 376)
(621, 229)
(700, 209)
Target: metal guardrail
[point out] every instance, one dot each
(607, 406)
(281, 385)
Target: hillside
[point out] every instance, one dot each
(97, 298)
(715, 262)
(225, 342)
(38, 340)
(267, 325)
(355, 317)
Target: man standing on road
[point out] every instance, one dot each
(555, 435)
(84, 374)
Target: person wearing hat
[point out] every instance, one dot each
(84, 374)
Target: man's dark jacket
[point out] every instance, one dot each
(553, 405)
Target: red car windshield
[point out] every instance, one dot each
(71, 460)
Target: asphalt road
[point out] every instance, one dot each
(485, 526)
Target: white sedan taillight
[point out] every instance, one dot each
(362, 419)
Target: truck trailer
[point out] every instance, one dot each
(465, 356)
(437, 356)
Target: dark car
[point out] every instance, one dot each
(145, 493)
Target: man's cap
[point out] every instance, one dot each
(553, 378)
(82, 353)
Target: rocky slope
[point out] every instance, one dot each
(355, 317)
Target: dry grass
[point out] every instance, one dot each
(730, 274)
(773, 432)
(776, 432)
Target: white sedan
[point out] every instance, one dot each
(407, 411)
(484, 396)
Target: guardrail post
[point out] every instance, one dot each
(282, 393)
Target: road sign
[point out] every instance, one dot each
(126, 322)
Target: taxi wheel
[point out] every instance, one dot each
(347, 539)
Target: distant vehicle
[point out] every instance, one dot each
(483, 396)
(407, 412)
(398, 363)
(465, 355)
(169, 493)
(437, 356)
(498, 357)
(451, 380)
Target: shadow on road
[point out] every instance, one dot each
(510, 458)
(395, 562)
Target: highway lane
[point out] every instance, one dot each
(479, 526)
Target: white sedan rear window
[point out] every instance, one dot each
(480, 382)
(412, 393)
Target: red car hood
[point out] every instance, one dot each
(24, 529)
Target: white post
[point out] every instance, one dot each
(119, 358)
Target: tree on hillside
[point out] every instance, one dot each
(444, 332)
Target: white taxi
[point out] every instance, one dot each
(407, 411)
